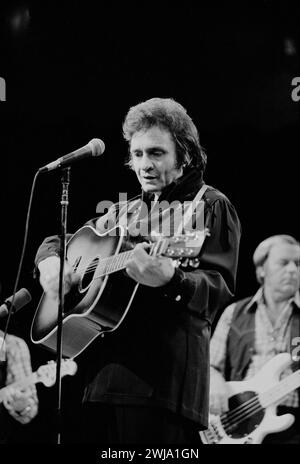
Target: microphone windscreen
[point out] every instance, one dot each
(22, 298)
(98, 146)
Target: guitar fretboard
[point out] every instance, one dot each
(118, 262)
(280, 390)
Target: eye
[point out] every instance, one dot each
(157, 153)
(136, 154)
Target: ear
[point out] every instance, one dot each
(260, 274)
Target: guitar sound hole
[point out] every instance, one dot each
(88, 276)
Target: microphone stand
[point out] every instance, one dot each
(65, 179)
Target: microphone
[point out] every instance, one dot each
(95, 147)
(22, 297)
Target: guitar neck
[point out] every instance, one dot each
(279, 391)
(30, 380)
(119, 261)
(114, 263)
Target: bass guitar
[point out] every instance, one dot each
(252, 406)
(45, 374)
(100, 300)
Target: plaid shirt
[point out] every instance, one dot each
(269, 339)
(21, 404)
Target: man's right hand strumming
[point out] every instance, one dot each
(49, 276)
(218, 394)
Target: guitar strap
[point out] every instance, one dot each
(194, 207)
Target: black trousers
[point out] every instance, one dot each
(105, 424)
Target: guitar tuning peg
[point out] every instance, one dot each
(194, 262)
(184, 262)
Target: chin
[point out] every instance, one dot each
(149, 189)
(289, 291)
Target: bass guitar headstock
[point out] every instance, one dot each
(47, 373)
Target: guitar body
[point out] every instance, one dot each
(86, 315)
(262, 419)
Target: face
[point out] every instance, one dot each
(282, 270)
(153, 156)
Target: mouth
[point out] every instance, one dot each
(291, 282)
(149, 178)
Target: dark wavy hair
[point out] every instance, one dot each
(172, 116)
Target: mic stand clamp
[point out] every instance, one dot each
(65, 179)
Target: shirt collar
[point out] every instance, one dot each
(259, 297)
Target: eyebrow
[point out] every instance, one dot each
(155, 148)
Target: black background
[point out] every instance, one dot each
(73, 69)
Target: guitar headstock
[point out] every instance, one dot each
(187, 245)
(47, 373)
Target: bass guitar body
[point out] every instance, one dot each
(253, 404)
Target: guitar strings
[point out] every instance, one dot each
(230, 423)
(118, 260)
(254, 408)
(248, 408)
(115, 263)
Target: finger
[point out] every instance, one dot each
(144, 245)
(26, 410)
(225, 406)
(68, 269)
(142, 259)
(215, 405)
(215, 410)
(140, 250)
(75, 277)
(131, 273)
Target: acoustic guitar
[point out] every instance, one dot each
(104, 293)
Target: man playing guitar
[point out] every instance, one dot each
(148, 380)
(251, 333)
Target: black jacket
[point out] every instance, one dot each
(159, 356)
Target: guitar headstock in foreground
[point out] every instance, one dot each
(47, 373)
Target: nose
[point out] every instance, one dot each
(292, 267)
(146, 164)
